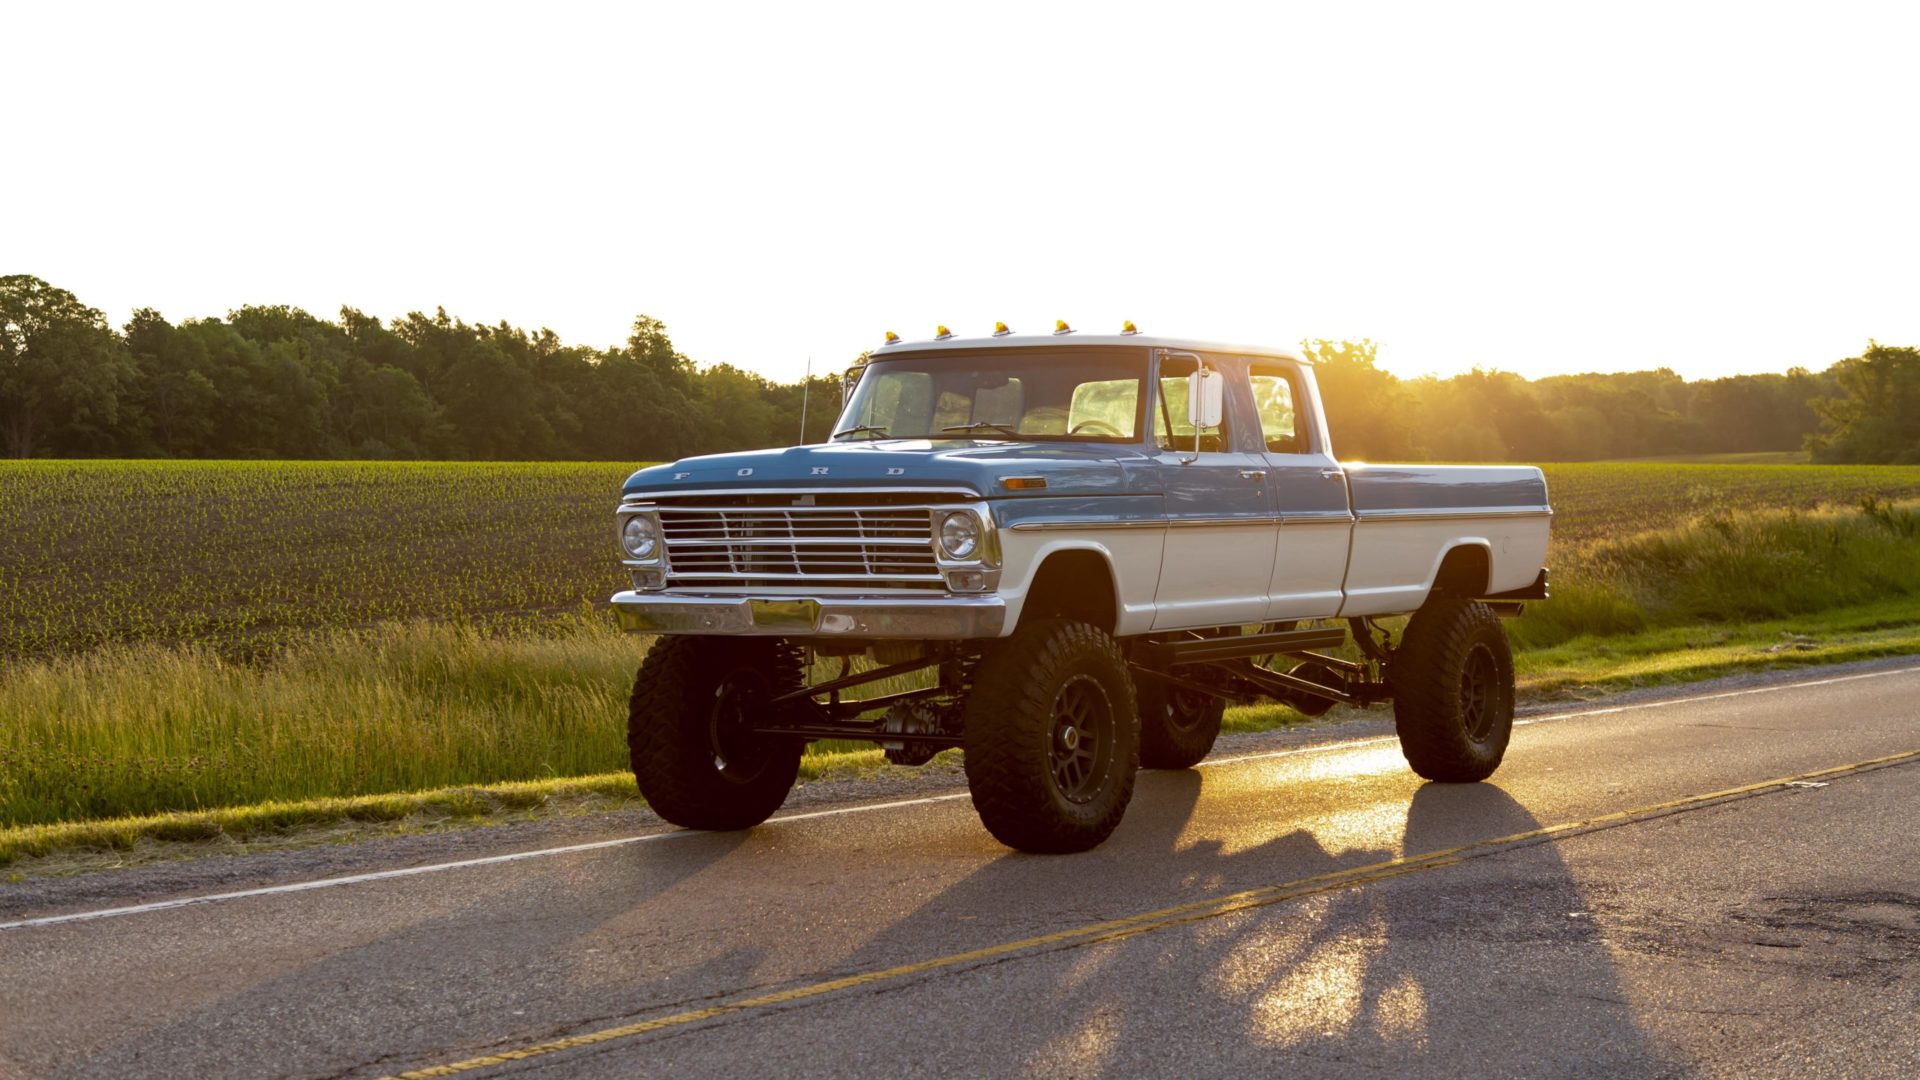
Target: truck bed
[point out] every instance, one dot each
(1408, 517)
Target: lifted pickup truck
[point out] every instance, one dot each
(1064, 554)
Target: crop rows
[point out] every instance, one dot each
(245, 555)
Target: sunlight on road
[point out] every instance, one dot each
(1299, 982)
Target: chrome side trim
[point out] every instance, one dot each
(1462, 513)
(1266, 520)
(1054, 526)
(1315, 517)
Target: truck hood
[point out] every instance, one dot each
(975, 465)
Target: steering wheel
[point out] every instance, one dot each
(1085, 424)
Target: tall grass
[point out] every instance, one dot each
(139, 729)
(1729, 566)
(404, 707)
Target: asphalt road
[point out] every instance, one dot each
(1638, 892)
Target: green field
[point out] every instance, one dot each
(242, 556)
(194, 635)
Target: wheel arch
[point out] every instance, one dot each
(1073, 580)
(1464, 569)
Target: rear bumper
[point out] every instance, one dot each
(949, 618)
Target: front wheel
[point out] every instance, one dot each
(1452, 681)
(1052, 738)
(695, 758)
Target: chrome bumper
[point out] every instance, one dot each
(951, 618)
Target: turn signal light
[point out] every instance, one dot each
(1023, 483)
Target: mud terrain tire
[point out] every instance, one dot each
(694, 763)
(1452, 681)
(1052, 738)
(1177, 726)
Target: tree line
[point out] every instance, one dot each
(277, 382)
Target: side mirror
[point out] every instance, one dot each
(1206, 399)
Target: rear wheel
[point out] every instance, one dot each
(1177, 726)
(1052, 738)
(1452, 681)
(695, 759)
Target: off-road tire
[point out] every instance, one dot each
(1029, 691)
(682, 727)
(1177, 726)
(1452, 681)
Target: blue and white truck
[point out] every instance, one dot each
(1074, 550)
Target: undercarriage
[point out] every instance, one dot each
(1276, 662)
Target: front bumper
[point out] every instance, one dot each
(949, 618)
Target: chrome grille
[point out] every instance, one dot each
(849, 545)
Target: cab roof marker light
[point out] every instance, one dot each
(893, 338)
(1060, 327)
(1127, 328)
(941, 333)
(1000, 329)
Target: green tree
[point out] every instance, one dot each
(1369, 412)
(62, 371)
(174, 388)
(1875, 416)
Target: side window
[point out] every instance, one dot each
(1172, 429)
(1279, 423)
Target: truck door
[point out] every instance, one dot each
(1220, 525)
(1310, 497)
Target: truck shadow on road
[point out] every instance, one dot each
(1490, 966)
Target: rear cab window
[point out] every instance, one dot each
(1276, 397)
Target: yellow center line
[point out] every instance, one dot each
(1160, 919)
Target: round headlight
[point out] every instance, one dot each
(959, 536)
(640, 537)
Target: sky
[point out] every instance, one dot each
(1540, 188)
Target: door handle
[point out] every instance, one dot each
(1253, 474)
(1332, 474)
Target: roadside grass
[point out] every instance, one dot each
(282, 817)
(1573, 671)
(147, 729)
(1589, 665)
(1728, 566)
(137, 730)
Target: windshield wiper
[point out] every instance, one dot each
(978, 424)
(861, 429)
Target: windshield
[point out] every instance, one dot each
(1043, 394)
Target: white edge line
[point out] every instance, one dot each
(430, 868)
(492, 860)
